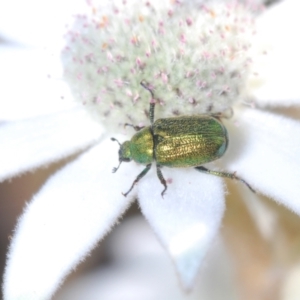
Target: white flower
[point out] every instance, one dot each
(141, 269)
(81, 202)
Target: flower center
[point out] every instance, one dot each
(193, 56)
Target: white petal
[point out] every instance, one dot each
(138, 273)
(31, 83)
(35, 22)
(132, 240)
(265, 216)
(187, 218)
(264, 150)
(31, 143)
(276, 78)
(65, 220)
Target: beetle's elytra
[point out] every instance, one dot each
(178, 142)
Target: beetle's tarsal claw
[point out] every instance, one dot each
(161, 179)
(248, 185)
(244, 182)
(163, 192)
(125, 194)
(135, 127)
(115, 169)
(146, 87)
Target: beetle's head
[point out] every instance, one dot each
(124, 153)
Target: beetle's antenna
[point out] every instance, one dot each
(115, 140)
(115, 169)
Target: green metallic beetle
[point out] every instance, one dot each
(178, 142)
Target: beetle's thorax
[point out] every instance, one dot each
(141, 146)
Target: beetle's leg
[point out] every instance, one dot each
(152, 102)
(135, 127)
(225, 174)
(141, 175)
(151, 112)
(162, 179)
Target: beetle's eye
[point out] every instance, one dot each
(124, 152)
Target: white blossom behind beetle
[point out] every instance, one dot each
(79, 204)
